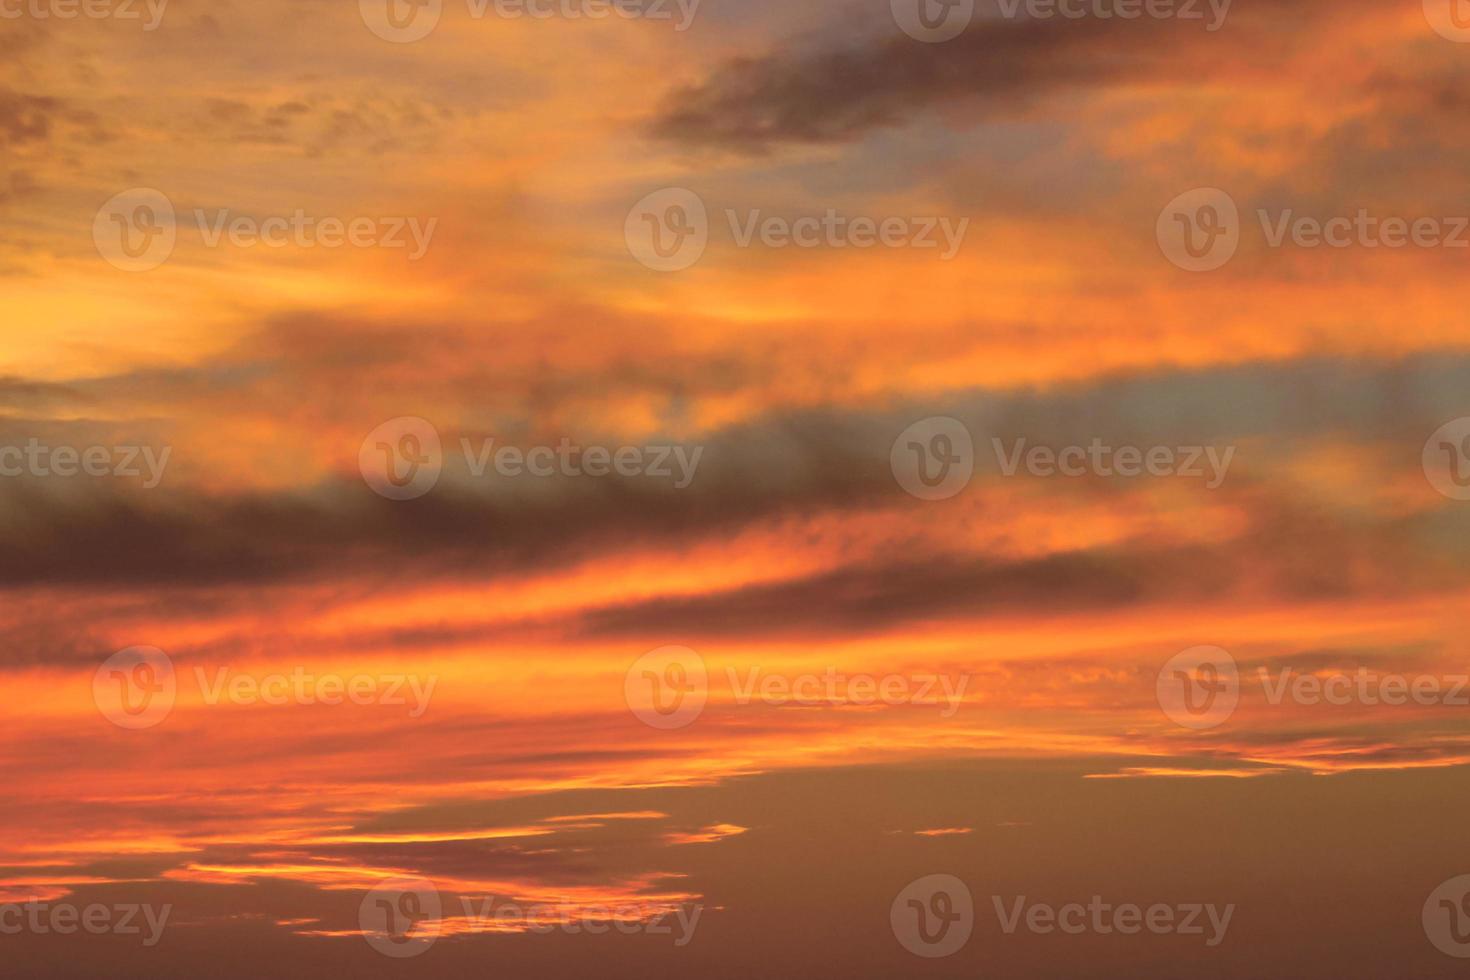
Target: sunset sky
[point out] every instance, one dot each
(509, 741)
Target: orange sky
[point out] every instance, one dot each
(496, 622)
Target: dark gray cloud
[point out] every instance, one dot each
(997, 68)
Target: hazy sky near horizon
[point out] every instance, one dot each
(896, 677)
